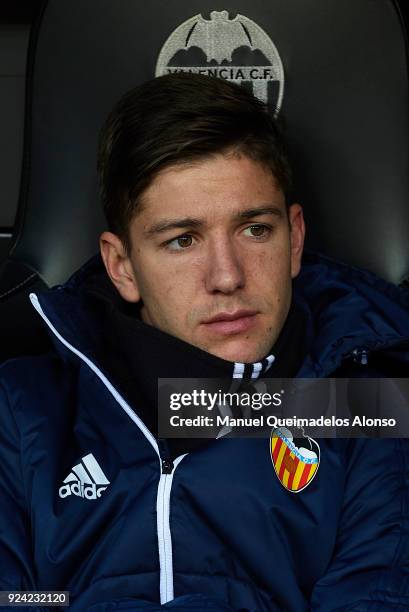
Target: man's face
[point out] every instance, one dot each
(213, 254)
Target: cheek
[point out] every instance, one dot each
(166, 289)
(272, 268)
(182, 279)
(271, 273)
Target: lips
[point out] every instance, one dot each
(231, 322)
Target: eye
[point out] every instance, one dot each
(258, 230)
(180, 243)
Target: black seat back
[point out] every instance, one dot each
(343, 94)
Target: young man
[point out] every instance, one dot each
(195, 279)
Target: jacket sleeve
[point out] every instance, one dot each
(369, 570)
(16, 564)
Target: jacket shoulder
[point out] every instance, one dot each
(32, 383)
(23, 370)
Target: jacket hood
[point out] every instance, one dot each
(347, 310)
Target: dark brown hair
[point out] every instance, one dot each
(176, 119)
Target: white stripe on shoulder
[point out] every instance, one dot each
(238, 370)
(256, 369)
(271, 360)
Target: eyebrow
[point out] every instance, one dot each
(191, 222)
(254, 212)
(169, 224)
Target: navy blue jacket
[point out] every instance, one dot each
(88, 506)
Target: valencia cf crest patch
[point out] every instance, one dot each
(295, 464)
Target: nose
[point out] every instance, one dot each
(224, 270)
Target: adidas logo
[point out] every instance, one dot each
(86, 480)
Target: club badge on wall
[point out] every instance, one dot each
(236, 49)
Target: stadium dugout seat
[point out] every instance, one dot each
(336, 72)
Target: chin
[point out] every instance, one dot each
(238, 352)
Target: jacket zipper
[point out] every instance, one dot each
(163, 522)
(167, 466)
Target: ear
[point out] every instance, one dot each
(118, 266)
(297, 228)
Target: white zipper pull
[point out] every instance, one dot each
(167, 466)
(165, 459)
